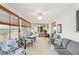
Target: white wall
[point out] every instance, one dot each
(49, 29)
(68, 21)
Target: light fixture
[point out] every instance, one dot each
(55, 28)
(39, 17)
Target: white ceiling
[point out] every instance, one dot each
(49, 11)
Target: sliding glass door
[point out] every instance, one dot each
(14, 27)
(14, 32)
(4, 32)
(9, 26)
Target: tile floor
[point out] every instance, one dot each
(40, 47)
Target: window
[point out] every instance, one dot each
(0, 14)
(4, 16)
(14, 32)
(8, 26)
(14, 20)
(4, 32)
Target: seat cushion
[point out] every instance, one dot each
(28, 40)
(58, 46)
(63, 52)
(65, 42)
(20, 51)
(73, 47)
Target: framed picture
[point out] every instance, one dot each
(59, 28)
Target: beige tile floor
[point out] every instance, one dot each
(40, 47)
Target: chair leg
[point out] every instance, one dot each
(25, 53)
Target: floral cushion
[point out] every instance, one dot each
(4, 46)
(8, 46)
(12, 44)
